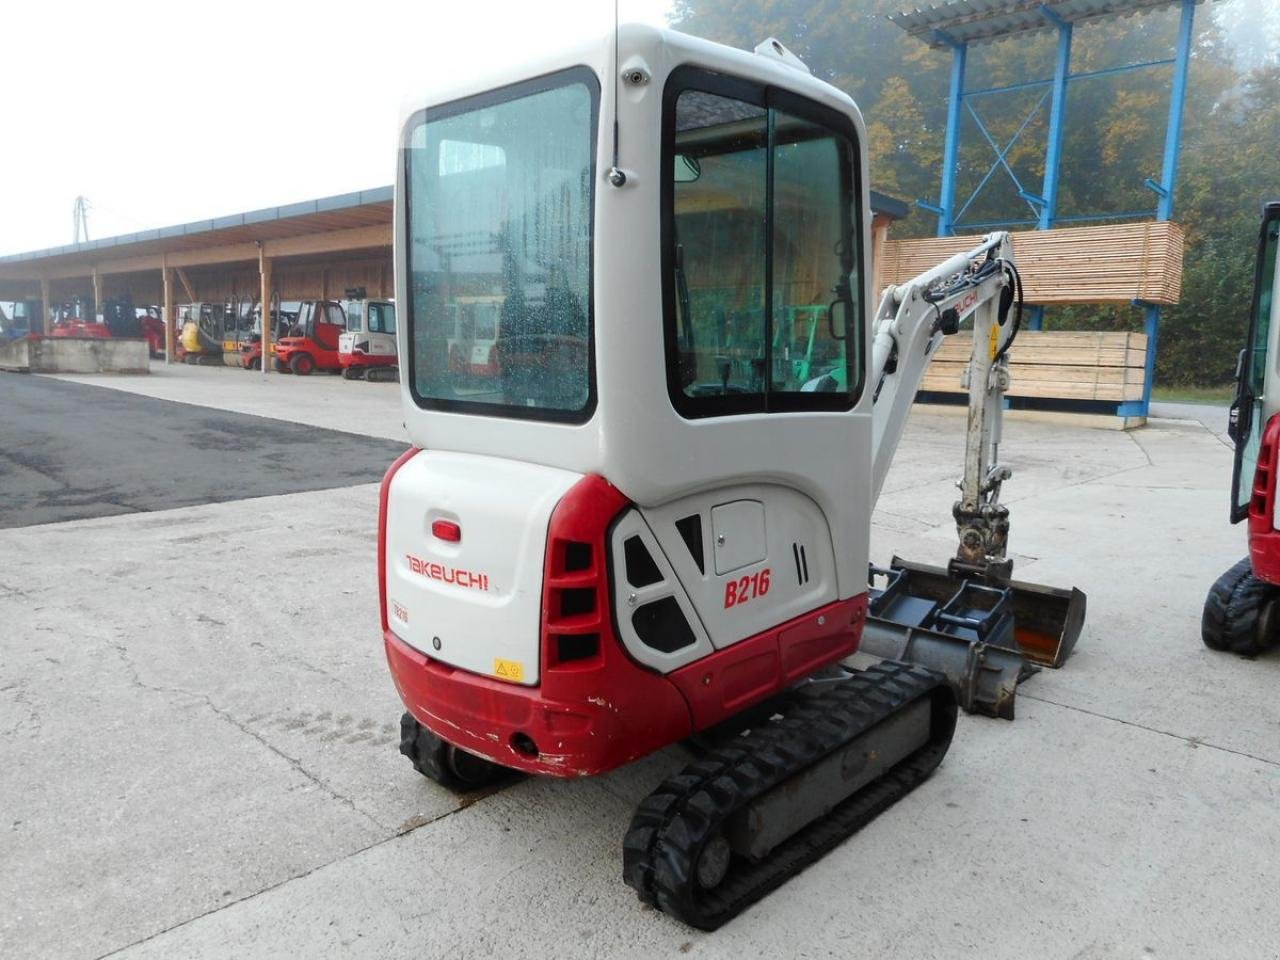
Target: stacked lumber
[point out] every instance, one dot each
(1052, 364)
(1114, 263)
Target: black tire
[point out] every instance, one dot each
(350, 373)
(255, 363)
(302, 364)
(1240, 613)
(281, 366)
(447, 765)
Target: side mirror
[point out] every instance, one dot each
(1240, 415)
(1239, 418)
(688, 169)
(838, 315)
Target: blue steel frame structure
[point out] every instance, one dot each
(1044, 205)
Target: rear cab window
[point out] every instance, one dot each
(500, 193)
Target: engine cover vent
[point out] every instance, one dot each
(802, 563)
(690, 529)
(662, 625)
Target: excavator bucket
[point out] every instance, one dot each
(983, 637)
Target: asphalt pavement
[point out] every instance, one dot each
(70, 451)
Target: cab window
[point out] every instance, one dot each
(500, 189)
(761, 230)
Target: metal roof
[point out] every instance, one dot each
(891, 207)
(361, 209)
(984, 21)
(310, 216)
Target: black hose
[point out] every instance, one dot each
(1016, 279)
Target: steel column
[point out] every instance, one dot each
(951, 150)
(1168, 181)
(1057, 117)
(1140, 408)
(1173, 133)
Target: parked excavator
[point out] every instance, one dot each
(651, 526)
(367, 350)
(1242, 610)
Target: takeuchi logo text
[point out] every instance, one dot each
(438, 571)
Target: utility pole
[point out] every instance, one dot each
(80, 213)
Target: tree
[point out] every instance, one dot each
(1114, 132)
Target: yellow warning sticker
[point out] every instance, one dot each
(995, 341)
(512, 670)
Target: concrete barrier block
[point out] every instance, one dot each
(75, 355)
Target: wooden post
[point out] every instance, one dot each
(879, 236)
(97, 292)
(46, 325)
(167, 311)
(268, 327)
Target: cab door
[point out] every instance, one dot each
(331, 322)
(1249, 412)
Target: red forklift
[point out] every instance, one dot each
(75, 318)
(1241, 613)
(283, 316)
(151, 325)
(311, 343)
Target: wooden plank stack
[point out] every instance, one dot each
(1114, 263)
(1054, 364)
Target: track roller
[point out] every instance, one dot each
(740, 821)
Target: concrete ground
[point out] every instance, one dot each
(200, 760)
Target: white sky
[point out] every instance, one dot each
(162, 113)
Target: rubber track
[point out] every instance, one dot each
(1232, 610)
(673, 823)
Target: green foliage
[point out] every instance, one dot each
(1115, 128)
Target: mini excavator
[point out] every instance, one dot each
(650, 523)
(1242, 610)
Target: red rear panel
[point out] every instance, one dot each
(1264, 539)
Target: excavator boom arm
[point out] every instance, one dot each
(910, 324)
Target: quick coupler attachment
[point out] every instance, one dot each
(984, 637)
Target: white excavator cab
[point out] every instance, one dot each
(367, 347)
(687, 320)
(648, 512)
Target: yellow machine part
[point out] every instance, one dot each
(191, 338)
